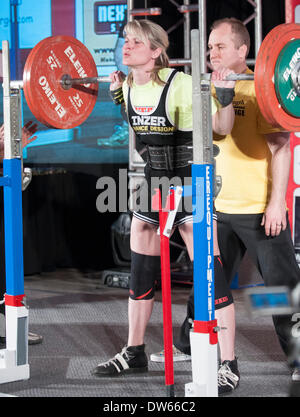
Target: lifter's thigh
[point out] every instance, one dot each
(144, 238)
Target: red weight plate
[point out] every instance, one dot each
(262, 61)
(288, 121)
(259, 74)
(264, 73)
(26, 78)
(51, 104)
(29, 92)
(281, 116)
(266, 60)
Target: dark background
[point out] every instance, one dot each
(273, 14)
(62, 227)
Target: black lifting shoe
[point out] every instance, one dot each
(228, 377)
(132, 359)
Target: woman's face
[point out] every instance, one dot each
(137, 53)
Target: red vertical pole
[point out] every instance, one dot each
(166, 294)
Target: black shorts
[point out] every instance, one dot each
(274, 257)
(163, 179)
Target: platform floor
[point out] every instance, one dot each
(84, 322)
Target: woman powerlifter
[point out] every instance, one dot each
(158, 102)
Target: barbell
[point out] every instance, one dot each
(60, 80)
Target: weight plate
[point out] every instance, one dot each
(27, 91)
(288, 62)
(47, 63)
(259, 76)
(261, 81)
(265, 76)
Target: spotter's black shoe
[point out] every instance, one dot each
(228, 377)
(132, 359)
(33, 339)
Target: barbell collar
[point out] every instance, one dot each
(295, 76)
(16, 84)
(67, 82)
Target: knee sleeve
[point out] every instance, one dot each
(145, 271)
(223, 296)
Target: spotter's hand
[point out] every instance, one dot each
(218, 78)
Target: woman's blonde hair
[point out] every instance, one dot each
(158, 37)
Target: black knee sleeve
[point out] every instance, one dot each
(223, 296)
(145, 270)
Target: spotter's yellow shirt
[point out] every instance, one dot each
(244, 161)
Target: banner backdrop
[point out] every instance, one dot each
(103, 137)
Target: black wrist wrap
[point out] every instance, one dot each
(117, 96)
(225, 95)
